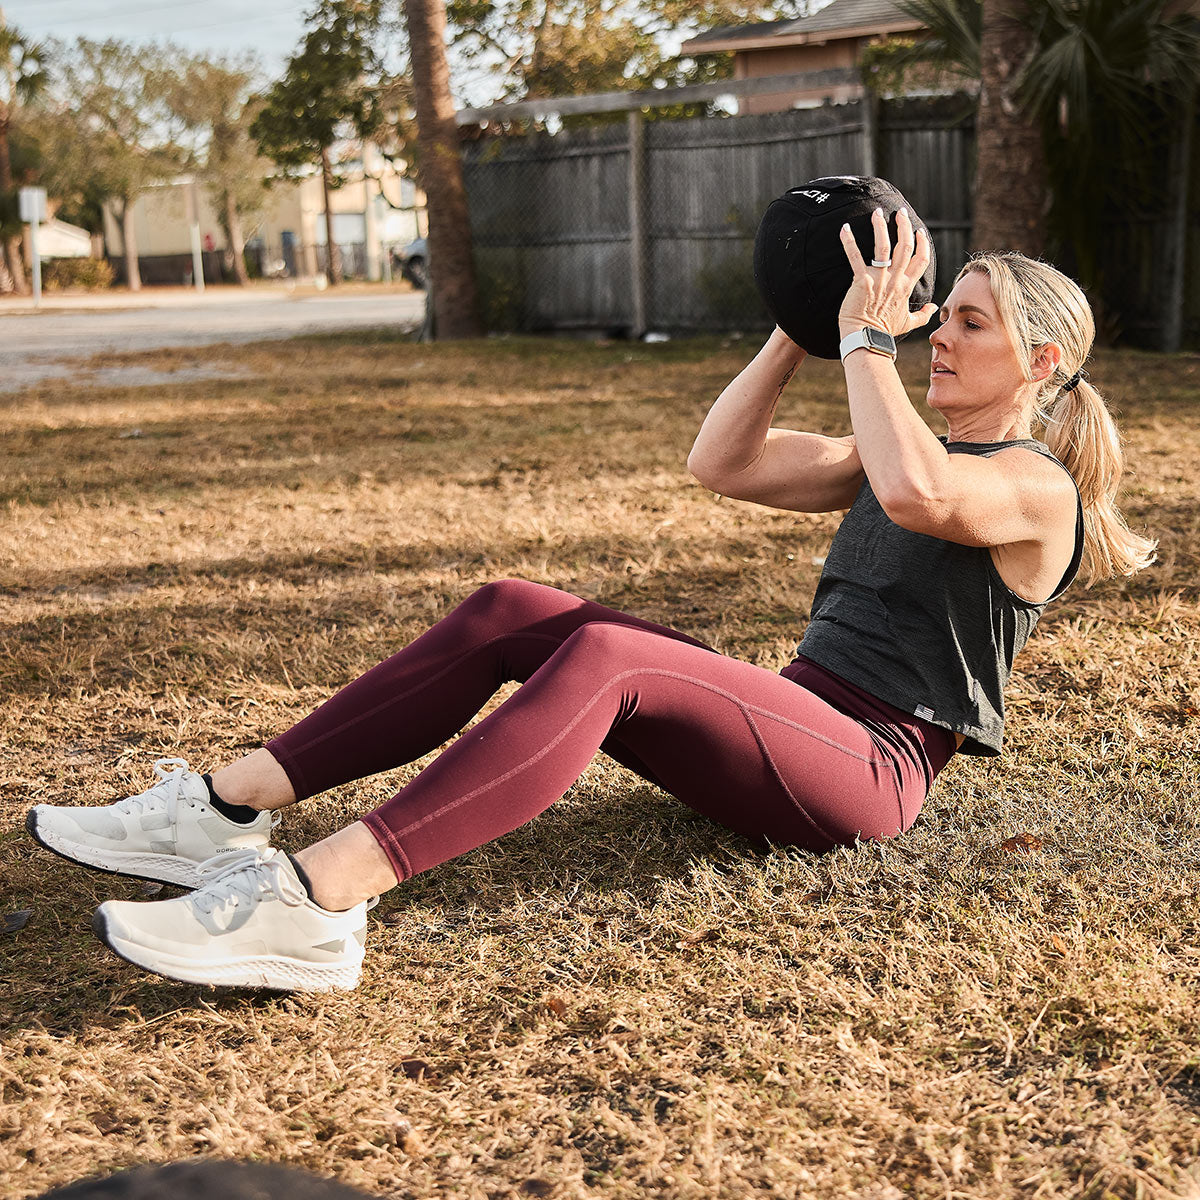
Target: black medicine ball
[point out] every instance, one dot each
(799, 264)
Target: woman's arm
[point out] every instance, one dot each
(738, 454)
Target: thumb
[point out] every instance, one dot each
(921, 316)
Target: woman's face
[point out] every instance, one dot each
(974, 368)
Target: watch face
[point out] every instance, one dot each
(878, 340)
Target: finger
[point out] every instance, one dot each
(903, 253)
(852, 251)
(921, 317)
(920, 258)
(883, 244)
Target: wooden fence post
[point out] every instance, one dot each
(637, 222)
(870, 121)
(1175, 284)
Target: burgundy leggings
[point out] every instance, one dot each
(800, 758)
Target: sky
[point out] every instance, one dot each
(269, 28)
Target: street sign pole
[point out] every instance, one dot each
(193, 206)
(37, 265)
(32, 206)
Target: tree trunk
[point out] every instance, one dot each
(133, 274)
(234, 239)
(333, 256)
(13, 262)
(451, 262)
(1010, 171)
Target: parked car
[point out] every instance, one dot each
(410, 261)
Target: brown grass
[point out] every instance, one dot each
(619, 999)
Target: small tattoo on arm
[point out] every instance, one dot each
(784, 381)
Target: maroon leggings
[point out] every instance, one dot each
(800, 758)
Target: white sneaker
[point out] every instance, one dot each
(163, 834)
(251, 924)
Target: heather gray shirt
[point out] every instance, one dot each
(925, 624)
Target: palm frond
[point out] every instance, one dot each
(954, 32)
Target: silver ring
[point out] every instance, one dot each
(887, 262)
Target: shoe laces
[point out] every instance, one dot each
(244, 875)
(166, 792)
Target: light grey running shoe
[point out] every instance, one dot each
(163, 834)
(251, 924)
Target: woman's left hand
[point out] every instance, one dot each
(879, 296)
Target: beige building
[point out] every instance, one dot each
(830, 41)
(371, 216)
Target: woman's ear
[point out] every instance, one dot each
(1045, 361)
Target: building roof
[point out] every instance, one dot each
(853, 14)
(842, 18)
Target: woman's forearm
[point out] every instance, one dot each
(901, 455)
(733, 435)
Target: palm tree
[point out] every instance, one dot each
(1084, 80)
(452, 284)
(22, 76)
(1010, 165)
(1110, 78)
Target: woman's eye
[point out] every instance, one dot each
(971, 325)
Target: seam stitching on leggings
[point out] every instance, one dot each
(779, 777)
(377, 827)
(347, 724)
(587, 707)
(787, 791)
(290, 768)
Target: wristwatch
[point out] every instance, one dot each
(868, 338)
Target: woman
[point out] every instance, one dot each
(949, 552)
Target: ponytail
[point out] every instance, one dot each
(1039, 305)
(1081, 434)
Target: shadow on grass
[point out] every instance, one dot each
(65, 982)
(156, 630)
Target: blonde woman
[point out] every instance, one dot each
(951, 549)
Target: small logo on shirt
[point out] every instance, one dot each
(925, 713)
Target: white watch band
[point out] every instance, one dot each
(860, 340)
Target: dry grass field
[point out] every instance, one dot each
(618, 1000)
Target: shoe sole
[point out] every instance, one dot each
(154, 868)
(270, 971)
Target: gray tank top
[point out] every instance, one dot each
(925, 624)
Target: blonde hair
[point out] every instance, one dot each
(1039, 304)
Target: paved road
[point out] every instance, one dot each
(34, 346)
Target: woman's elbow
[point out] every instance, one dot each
(910, 508)
(701, 469)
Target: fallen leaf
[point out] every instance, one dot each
(405, 1136)
(416, 1068)
(557, 1005)
(698, 935)
(106, 1121)
(1058, 944)
(17, 920)
(1023, 843)
(625, 1037)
